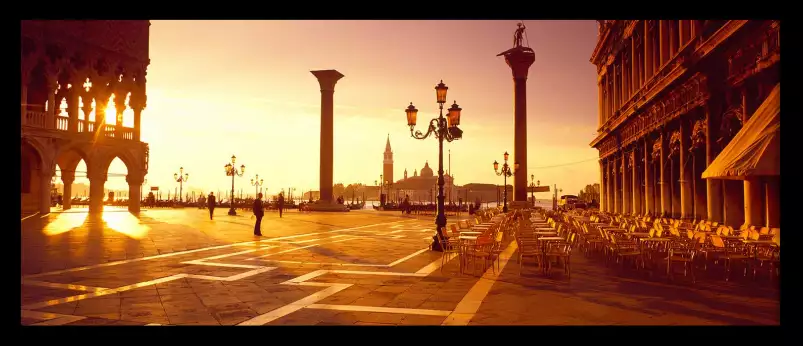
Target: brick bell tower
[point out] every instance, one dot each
(387, 163)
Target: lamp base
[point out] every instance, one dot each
(328, 206)
(232, 212)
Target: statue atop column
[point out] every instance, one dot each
(519, 35)
(518, 42)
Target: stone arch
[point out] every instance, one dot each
(68, 157)
(32, 173)
(103, 160)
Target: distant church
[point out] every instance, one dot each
(421, 188)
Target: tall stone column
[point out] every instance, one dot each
(664, 182)
(635, 183)
(686, 174)
(519, 60)
(327, 80)
(617, 193)
(67, 178)
(45, 173)
(734, 202)
(714, 193)
(754, 207)
(120, 107)
(52, 84)
(602, 189)
(609, 185)
(649, 199)
(134, 191)
(97, 181)
(626, 185)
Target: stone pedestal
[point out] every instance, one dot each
(328, 206)
(520, 59)
(519, 205)
(327, 80)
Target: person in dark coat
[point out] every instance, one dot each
(259, 211)
(210, 203)
(280, 203)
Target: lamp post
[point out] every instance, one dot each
(144, 182)
(232, 171)
(443, 129)
(533, 184)
(257, 183)
(180, 178)
(506, 172)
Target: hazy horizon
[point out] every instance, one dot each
(217, 88)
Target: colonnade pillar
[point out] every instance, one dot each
(617, 194)
(96, 192)
(602, 187)
(134, 191)
(754, 207)
(649, 198)
(626, 186)
(664, 184)
(636, 184)
(67, 178)
(686, 174)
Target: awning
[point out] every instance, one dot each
(756, 149)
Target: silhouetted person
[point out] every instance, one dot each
(280, 204)
(259, 211)
(60, 201)
(210, 203)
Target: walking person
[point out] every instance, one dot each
(259, 211)
(210, 203)
(280, 203)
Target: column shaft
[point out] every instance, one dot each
(636, 185)
(649, 199)
(686, 174)
(96, 195)
(754, 206)
(602, 189)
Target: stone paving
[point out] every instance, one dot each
(176, 267)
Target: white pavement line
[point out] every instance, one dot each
(405, 258)
(300, 248)
(62, 286)
(380, 309)
(295, 306)
(43, 216)
(108, 264)
(435, 265)
(471, 302)
(29, 216)
(327, 232)
(303, 241)
(330, 264)
(153, 324)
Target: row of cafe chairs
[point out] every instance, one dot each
(542, 248)
(487, 246)
(670, 242)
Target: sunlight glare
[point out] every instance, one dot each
(125, 223)
(64, 223)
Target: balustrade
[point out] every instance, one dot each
(61, 123)
(33, 118)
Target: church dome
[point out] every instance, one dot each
(426, 171)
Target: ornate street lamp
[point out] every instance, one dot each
(443, 129)
(180, 178)
(533, 184)
(506, 172)
(257, 183)
(232, 171)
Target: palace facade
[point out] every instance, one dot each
(72, 72)
(673, 95)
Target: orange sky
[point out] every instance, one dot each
(217, 88)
